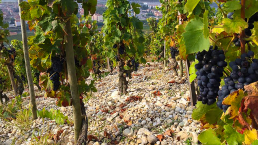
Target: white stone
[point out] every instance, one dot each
(115, 95)
(96, 143)
(152, 139)
(128, 132)
(143, 131)
(178, 109)
(143, 122)
(144, 140)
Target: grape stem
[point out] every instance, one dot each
(242, 34)
(225, 73)
(224, 14)
(213, 40)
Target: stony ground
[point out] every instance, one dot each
(155, 111)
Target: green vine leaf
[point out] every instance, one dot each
(194, 37)
(202, 109)
(232, 136)
(206, 24)
(191, 4)
(208, 137)
(192, 71)
(231, 6)
(136, 8)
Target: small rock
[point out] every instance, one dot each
(115, 95)
(143, 131)
(178, 109)
(49, 141)
(96, 143)
(143, 122)
(164, 142)
(152, 139)
(144, 140)
(104, 144)
(128, 132)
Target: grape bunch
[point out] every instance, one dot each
(135, 64)
(173, 52)
(121, 49)
(54, 77)
(244, 72)
(56, 68)
(210, 69)
(57, 64)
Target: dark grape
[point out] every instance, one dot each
(250, 53)
(57, 64)
(254, 66)
(115, 46)
(211, 101)
(204, 100)
(238, 61)
(248, 32)
(121, 49)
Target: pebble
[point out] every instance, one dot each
(128, 132)
(152, 139)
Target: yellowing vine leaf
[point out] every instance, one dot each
(234, 100)
(234, 26)
(217, 29)
(250, 136)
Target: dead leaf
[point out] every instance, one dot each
(250, 103)
(172, 81)
(169, 132)
(160, 137)
(92, 138)
(157, 93)
(130, 123)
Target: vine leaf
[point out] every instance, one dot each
(234, 26)
(255, 33)
(230, 6)
(232, 136)
(255, 142)
(249, 105)
(250, 8)
(190, 5)
(209, 137)
(250, 136)
(136, 8)
(213, 115)
(202, 109)
(194, 37)
(234, 100)
(192, 71)
(206, 24)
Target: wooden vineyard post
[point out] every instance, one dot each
(191, 85)
(165, 53)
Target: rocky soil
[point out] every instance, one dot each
(156, 110)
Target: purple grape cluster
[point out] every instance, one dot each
(209, 70)
(244, 72)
